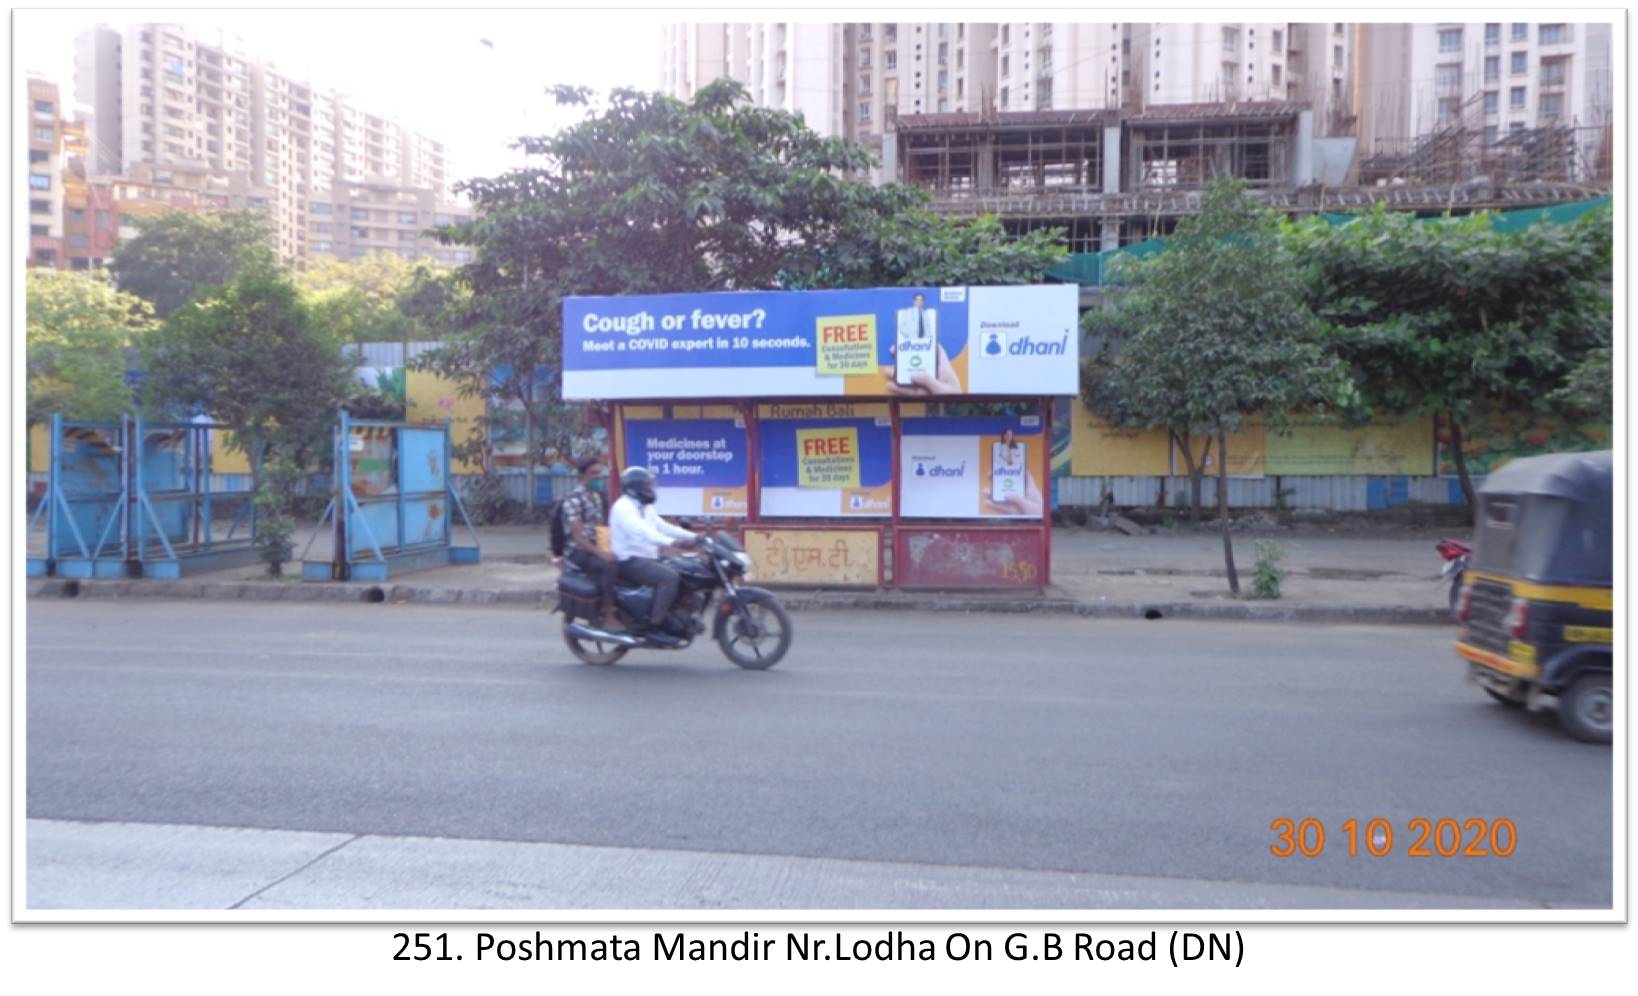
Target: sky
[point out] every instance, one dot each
(429, 68)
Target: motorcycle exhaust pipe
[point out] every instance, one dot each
(592, 633)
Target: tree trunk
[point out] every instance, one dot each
(1461, 465)
(1222, 512)
(1196, 469)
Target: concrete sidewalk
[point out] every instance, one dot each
(1388, 576)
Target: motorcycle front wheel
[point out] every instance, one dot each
(593, 651)
(763, 643)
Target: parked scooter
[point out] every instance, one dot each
(1457, 557)
(749, 624)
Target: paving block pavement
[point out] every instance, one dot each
(1383, 577)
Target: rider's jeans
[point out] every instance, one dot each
(664, 580)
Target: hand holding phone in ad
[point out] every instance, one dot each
(921, 383)
(1028, 504)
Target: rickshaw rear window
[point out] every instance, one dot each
(1543, 537)
(1501, 514)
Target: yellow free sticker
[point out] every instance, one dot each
(827, 458)
(847, 345)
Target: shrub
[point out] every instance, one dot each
(1266, 573)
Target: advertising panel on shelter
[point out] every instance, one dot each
(699, 465)
(913, 342)
(972, 467)
(826, 459)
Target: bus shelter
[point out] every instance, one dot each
(888, 437)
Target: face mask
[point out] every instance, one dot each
(598, 485)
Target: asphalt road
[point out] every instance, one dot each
(419, 757)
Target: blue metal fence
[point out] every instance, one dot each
(393, 506)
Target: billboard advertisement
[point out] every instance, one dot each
(913, 342)
(972, 467)
(829, 459)
(699, 465)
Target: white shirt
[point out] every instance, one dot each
(636, 530)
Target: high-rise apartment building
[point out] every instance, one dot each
(894, 69)
(181, 99)
(362, 217)
(45, 174)
(1495, 79)
(786, 65)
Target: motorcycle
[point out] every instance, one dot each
(1457, 556)
(748, 624)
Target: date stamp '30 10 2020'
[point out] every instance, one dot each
(1421, 838)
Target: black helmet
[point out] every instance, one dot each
(638, 482)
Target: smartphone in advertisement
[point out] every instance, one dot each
(915, 349)
(1007, 468)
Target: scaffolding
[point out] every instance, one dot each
(1557, 153)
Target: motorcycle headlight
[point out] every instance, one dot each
(744, 561)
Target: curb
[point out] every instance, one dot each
(342, 592)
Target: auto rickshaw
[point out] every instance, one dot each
(1537, 605)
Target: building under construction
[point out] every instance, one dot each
(1557, 153)
(1110, 179)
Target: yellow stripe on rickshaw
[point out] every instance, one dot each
(1497, 662)
(1587, 598)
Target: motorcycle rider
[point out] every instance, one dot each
(584, 510)
(640, 537)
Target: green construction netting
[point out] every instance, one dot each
(1088, 268)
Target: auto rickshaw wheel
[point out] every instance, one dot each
(1586, 709)
(1506, 700)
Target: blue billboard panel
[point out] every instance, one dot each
(915, 342)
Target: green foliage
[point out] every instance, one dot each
(78, 329)
(1588, 388)
(1211, 332)
(1437, 317)
(177, 257)
(275, 523)
(1266, 572)
(1444, 317)
(250, 355)
(379, 298)
(1215, 329)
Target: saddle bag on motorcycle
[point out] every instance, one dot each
(578, 595)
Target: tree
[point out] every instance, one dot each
(250, 355)
(175, 256)
(654, 195)
(1587, 389)
(1212, 332)
(1439, 317)
(78, 330)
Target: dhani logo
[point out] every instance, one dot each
(926, 467)
(865, 503)
(725, 503)
(1025, 346)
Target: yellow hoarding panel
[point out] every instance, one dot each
(1098, 449)
(225, 455)
(39, 448)
(1246, 451)
(814, 556)
(1382, 447)
(431, 398)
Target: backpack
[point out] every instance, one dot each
(560, 532)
